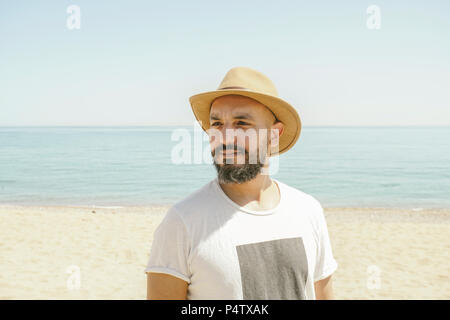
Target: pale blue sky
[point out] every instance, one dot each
(137, 62)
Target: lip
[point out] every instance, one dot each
(230, 153)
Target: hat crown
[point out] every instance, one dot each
(247, 78)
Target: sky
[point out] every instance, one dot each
(137, 62)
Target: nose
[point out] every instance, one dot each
(229, 135)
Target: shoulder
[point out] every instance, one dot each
(181, 216)
(303, 202)
(196, 202)
(300, 198)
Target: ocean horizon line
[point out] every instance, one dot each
(190, 125)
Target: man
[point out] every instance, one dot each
(243, 235)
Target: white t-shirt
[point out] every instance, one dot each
(225, 251)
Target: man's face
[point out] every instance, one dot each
(240, 137)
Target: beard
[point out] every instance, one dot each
(231, 173)
(239, 173)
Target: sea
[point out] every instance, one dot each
(117, 166)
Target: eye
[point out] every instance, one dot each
(215, 123)
(242, 123)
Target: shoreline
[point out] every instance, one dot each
(157, 205)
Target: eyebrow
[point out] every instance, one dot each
(238, 116)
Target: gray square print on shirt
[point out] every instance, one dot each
(276, 269)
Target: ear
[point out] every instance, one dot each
(276, 131)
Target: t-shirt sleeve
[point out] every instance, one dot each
(325, 262)
(170, 247)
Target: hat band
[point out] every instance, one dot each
(233, 88)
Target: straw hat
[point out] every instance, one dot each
(253, 84)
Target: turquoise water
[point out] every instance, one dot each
(120, 166)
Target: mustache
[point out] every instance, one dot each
(230, 147)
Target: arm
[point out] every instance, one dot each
(324, 289)
(161, 286)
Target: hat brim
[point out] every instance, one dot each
(201, 105)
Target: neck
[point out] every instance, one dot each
(260, 193)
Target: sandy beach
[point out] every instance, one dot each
(100, 253)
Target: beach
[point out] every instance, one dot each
(68, 252)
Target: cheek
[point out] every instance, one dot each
(212, 148)
(256, 141)
(263, 143)
(214, 141)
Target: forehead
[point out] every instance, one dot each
(233, 105)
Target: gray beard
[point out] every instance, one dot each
(231, 173)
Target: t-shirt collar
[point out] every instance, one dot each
(235, 205)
